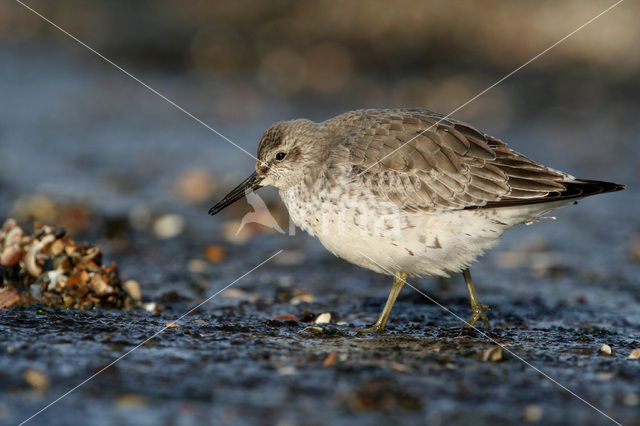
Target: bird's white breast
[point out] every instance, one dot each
(375, 234)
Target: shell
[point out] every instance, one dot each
(58, 271)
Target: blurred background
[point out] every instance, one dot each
(86, 147)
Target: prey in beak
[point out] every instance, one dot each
(251, 183)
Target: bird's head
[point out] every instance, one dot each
(284, 149)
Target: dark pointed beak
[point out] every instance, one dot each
(251, 183)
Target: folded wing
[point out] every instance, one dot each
(421, 161)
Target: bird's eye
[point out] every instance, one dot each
(280, 156)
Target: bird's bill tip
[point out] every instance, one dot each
(249, 184)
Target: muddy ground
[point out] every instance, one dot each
(559, 290)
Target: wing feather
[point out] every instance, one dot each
(420, 161)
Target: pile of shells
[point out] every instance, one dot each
(49, 268)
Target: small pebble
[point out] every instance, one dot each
(493, 354)
(285, 318)
(398, 367)
(301, 296)
(324, 318)
(287, 370)
(195, 185)
(532, 413)
(330, 359)
(215, 254)
(312, 330)
(129, 400)
(168, 226)
(150, 307)
(132, 288)
(36, 379)
(235, 293)
(635, 354)
(197, 265)
(605, 349)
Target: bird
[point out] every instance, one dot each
(406, 192)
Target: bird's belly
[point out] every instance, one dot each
(386, 240)
(424, 244)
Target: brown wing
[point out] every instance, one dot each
(420, 161)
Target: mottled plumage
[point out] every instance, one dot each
(421, 161)
(406, 191)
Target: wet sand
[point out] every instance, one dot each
(559, 289)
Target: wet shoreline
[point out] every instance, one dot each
(559, 289)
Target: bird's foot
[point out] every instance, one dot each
(373, 329)
(477, 313)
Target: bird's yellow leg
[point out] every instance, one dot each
(398, 281)
(477, 308)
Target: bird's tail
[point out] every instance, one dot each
(574, 190)
(581, 188)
